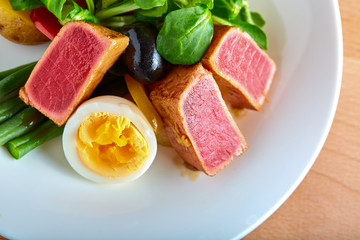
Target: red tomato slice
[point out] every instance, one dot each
(45, 21)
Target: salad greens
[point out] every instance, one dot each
(73, 11)
(117, 8)
(90, 5)
(237, 13)
(55, 6)
(25, 4)
(227, 9)
(148, 4)
(64, 10)
(185, 35)
(186, 26)
(153, 12)
(193, 3)
(258, 19)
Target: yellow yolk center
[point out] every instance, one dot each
(110, 145)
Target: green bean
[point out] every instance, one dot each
(10, 107)
(11, 71)
(18, 147)
(20, 124)
(15, 80)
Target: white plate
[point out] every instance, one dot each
(41, 197)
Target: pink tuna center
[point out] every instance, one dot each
(240, 59)
(62, 75)
(208, 125)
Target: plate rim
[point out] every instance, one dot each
(335, 100)
(334, 103)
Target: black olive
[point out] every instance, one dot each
(141, 58)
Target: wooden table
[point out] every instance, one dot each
(326, 205)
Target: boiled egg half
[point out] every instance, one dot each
(109, 140)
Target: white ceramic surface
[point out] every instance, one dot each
(41, 197)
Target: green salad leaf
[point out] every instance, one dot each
(193, 3)
(227, 9)
(185, 35)
(64, 10)
(73, 11)
(91, 6)
(154, 12)
(107, 3)
(116, 9)
(258, 19)
(25, 4)
(155, 7)
(54, 6)
(148, 4)
(141, 18)
(237, 13)
(118, 21)
(254, 31)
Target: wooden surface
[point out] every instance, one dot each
(327, 203)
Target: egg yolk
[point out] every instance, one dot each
(110, 145)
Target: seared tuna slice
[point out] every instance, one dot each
(71, 68)
(243, 70)
(198, 124)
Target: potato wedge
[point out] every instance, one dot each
(17, 26)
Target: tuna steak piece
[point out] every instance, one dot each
(71, 68)
(243, 70)
(198, 124)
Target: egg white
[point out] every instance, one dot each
(109, 104)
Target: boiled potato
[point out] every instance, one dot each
(17, 26)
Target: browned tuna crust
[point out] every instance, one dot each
(168, 98)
